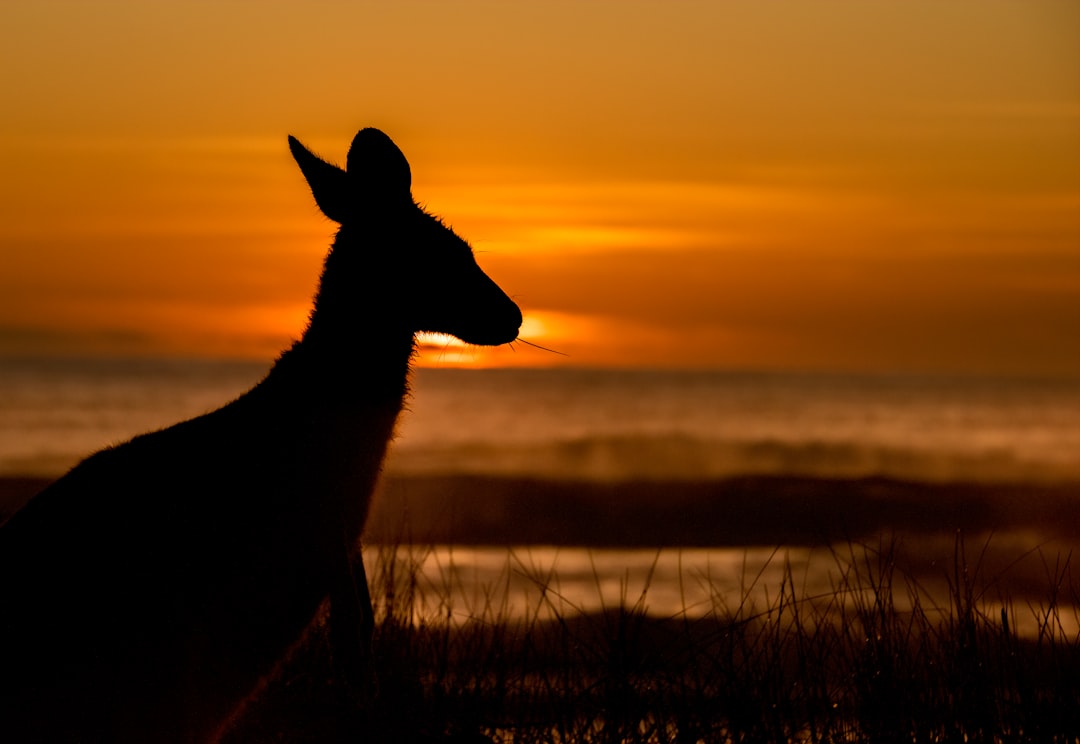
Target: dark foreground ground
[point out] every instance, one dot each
(862, 664)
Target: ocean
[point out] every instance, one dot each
(606, 425)
(620, 481)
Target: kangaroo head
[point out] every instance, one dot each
(390, 246)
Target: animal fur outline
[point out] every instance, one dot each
(145, 594)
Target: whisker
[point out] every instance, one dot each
(542, 348)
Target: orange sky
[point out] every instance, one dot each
(829, 185)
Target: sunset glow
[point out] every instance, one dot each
(736, 185)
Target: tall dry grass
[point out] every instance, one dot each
(875, 660)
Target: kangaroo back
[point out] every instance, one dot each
(145, 594)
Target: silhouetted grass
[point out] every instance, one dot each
(876, 660)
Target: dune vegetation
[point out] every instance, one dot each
(877, 660)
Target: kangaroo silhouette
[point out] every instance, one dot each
(147, 593)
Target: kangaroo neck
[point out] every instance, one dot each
(349, 356)
(356, 347)
(364, 370)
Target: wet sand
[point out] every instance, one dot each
(731, 512)
(480, 510)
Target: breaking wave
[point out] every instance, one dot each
(619, 458)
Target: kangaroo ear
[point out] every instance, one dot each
(377, 167)
(329, 184)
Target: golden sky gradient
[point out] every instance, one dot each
(825, 185)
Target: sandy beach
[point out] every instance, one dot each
(744, 511)
(764, 510)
